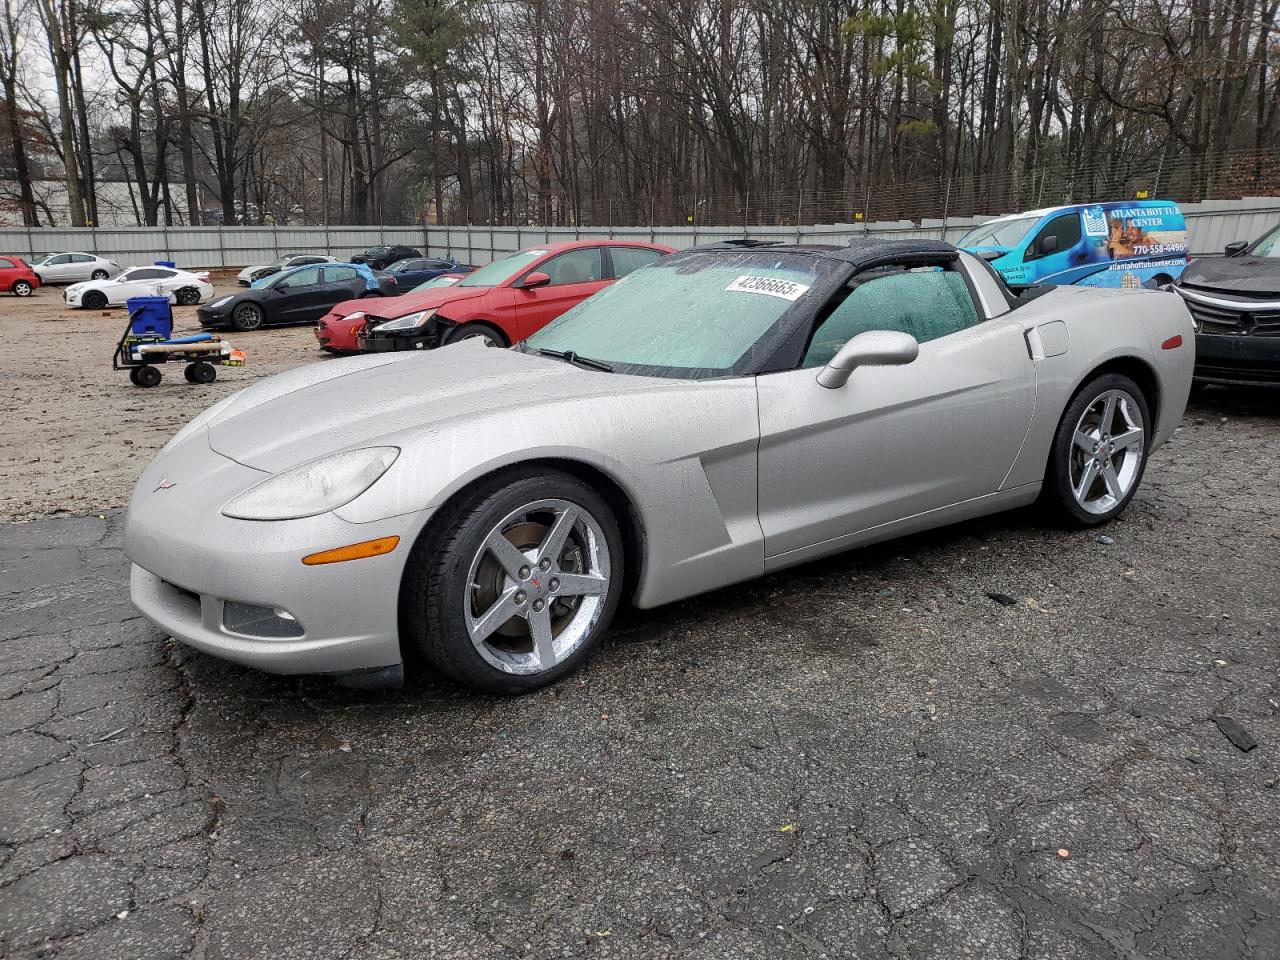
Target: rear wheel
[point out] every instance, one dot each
(98, 275)
(200, 372)
(247, 316)
(22, 288)
(476, 331)
(94, 300)
(1099, 451)
(187, 296)
(520, 587)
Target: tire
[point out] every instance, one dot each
(1074, 458)
(471, 331)
(146, 376)
(202, 373)
(453, 579)
(247, 316)
(22, 288)
(94, 300)
(99, 275)
(187, 296)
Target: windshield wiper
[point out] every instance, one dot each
(571, 357)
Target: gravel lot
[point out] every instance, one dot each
(77, 433)
(865, 757)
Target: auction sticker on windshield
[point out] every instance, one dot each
(769, 286)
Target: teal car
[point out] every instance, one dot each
(1132, 243)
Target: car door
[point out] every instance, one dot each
(58, 269)
(81, 266)
(299, 297)
(341, 283)
(170, 280)
(894, 441)
(575, 275)
(138, 282)
(8, 273)
(626, 259)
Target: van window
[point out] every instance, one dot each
(1066, 227)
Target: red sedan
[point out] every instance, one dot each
(503, 302)
(16, 277)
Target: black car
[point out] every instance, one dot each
(418, 270)
(1235, 304)
(300, 295)
(382, 256)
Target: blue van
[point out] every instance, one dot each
(1134, 243)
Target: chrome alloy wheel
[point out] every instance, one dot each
(537, 586)
(1106, 451)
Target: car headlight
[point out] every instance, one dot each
(219, 303)
(411, 322)
(313, 488)
(199, 420)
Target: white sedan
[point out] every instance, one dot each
(249, 274)
(180, 286)
(70, 267)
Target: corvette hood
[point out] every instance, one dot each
(365, 401)
(1246, 275)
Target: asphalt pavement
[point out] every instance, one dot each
(1000, 740)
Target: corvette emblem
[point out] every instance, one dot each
(164, 484)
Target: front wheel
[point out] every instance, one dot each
(1099, 451)
(247, 316)
(94, 300)
(22, 288)
(476, 331)
(519, 587)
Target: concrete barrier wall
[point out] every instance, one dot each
(1211, 225)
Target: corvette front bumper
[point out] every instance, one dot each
(238, 590)
(426, 337)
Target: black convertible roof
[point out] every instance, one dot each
(861, 252)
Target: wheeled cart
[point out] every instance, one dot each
(147, 342)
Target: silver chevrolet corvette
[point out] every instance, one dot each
(726, 412)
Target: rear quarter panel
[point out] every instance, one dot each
(1104, 326)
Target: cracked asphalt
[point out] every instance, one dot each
(864, 757)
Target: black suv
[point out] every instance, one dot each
(382, 256)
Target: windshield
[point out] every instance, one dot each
(999, 233)
(502, 270)
(697, 316)
(1268, 246)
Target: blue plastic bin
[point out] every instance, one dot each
(150, 317)
(167, 263)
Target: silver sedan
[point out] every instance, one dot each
(75, 267)
(724, 413)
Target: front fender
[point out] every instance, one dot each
(685, 458)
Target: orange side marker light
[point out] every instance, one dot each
(353, 551)
(1172, 343)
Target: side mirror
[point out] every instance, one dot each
(1236, 247)
(535, 279)
(875, 348)
(1049, 244)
